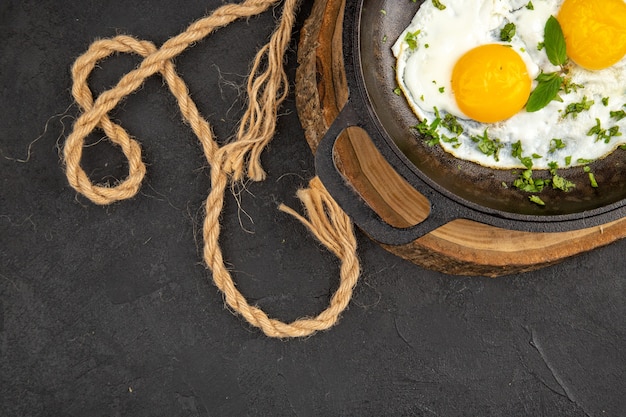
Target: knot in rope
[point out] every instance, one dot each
(266, 90)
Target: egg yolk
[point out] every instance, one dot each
(491, 83)
(595, 31)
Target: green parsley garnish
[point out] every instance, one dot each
(430, 129)
(530, 6)
(487, 145)
(535, 199)
(507, 32)
(592, 178)
(438, 5)
(516, 149)
(569, 86)
(558, 182)
(618, 114)
(526, 182)
(603, 134)
(575, 108)
(561, 183)
(453, 140)
(517, 152)
(452, 124)
(556, 144)
(411, 39)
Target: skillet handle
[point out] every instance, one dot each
(353, 203)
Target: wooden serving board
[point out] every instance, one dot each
(461, 247)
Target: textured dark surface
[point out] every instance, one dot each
(108, 311)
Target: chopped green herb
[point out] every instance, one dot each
(568, 160)
(488, 146)
(442, 89)
(560, 183)
(556, 144)
(411, 39)
(592, 180)
(535, 199)
(527, 161)
(397, 91)
(438, 5)
(507, 32)
(385, 39)
(618, 114)
(530, 6)
(569, 86)
(453, 140)
(452, 124)
(430, 129)
(605, 101)
(604, 134)
(517, 152)
(526, 182)
(516, 149)
(553, 166)
(575, 108)
(592, 177)
(383, 12)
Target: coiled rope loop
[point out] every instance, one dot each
(232, 162)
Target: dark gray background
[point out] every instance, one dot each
(108, 311)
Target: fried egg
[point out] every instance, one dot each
(468, 67)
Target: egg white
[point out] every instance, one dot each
(424, 76)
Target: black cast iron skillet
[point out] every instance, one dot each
(456, 189)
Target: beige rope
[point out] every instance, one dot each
(232, 162)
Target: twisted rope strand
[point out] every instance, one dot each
(95, 115)
(266, 91)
